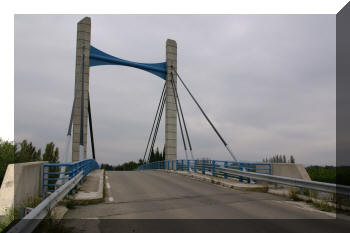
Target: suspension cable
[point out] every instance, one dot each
(183, 118)
(205, 115)
(155, 118)
(178, 115)
(157, 126)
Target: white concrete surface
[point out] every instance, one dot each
(7, 190)
(170, 106)
(21, 181)
(290, 170)
(83, 41)
(92, 188)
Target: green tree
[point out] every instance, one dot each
(292, 160)
(163, 154)
(279, 158)
(7, 151)
(284, 159)
(51, 155)
(26, 153)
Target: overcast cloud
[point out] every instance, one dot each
(268, 82)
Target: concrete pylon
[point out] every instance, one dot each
(81, 72)
(170, 104)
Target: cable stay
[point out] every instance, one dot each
(157, 126)
(183, 118)
(155, 118)
(178, 115)
(91, 130)
(205, 115)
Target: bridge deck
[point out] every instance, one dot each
(158, 195)
(140, 195)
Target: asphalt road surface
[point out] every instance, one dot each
(155, 201)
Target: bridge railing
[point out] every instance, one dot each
(246, 171)
(56, 174)
(58, 179)
(212, 167)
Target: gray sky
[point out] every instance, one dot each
(267, 82)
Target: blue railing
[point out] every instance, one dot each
(56, 174)
(211, 167)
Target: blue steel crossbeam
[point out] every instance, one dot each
(97, 58)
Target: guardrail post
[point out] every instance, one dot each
(188, 165)
(248, 179)
(182, 164)
(203, 166)
(172, 164)
(195, 166)
(270, 170)
(43, 182)
(80, 168)
(213, 167)
(225, 166)
(240, 168)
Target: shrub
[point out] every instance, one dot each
(323, 205)
(293, 194)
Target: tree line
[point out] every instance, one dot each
(12, 152)
(279, 158)
(131, 165)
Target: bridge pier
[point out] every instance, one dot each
(170, 104)
(79, 140)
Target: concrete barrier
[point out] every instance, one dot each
(290, 170)
(21, 182)
(284, 169)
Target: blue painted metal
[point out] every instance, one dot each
(212, 166)
(241, 169)
(98, 58)
(71, 170)
(248, 170)
(203, 166)
(225, 166)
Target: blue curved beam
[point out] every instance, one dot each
(98, 58)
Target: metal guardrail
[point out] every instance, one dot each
(69, 175)
(212, 167)
(247, 171)
(56, 174)
(307, 184)
(31, 220)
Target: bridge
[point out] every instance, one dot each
(176, 187)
